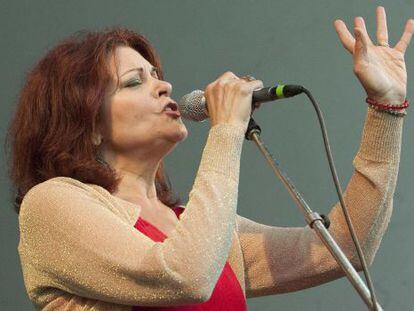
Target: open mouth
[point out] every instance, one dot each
(172, 109)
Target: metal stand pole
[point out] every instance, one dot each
(319, 223)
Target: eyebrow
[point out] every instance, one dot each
(140, 69)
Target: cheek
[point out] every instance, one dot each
(128, 118)
(129, 123)
(131, 109)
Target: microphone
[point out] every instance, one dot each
(193, 106)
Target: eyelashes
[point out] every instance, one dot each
(132, 83)
(135, 82)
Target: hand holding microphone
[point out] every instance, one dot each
(195, 106)
(229, 98)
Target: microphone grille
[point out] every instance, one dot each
(193, 106)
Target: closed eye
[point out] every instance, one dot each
(132, 83)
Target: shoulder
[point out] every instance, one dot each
(56, 185)
(59, 192)
(62, 197)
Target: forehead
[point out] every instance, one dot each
(126, 58)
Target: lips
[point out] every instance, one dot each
(172, 106)
(172, 109)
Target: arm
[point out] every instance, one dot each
(301, 260)
(70, 241)
(279, 260)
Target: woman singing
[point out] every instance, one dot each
(100, 228)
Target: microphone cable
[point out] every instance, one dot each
(341, 200)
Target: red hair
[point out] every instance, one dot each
(58, 110)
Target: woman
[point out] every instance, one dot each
(99, 227)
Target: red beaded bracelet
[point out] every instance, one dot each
(373, 102)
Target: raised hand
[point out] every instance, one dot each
(379, 67)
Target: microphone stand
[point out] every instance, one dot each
(319, 223)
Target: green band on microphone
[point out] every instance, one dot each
(279, 91)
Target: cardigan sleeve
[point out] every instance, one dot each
(281, 259)
(70, 241)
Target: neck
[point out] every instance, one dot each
(137, 173)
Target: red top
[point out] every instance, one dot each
(227, 295)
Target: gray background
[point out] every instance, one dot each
(276, 41)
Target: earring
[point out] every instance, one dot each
(97, 140)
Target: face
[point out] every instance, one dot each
(134, 116)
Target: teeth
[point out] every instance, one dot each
(168, 109)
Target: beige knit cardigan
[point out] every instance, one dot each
(79, 249)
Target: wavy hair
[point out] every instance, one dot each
(58, 110)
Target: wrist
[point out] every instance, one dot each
(394, 108)
(234, 123)
(381, 136)
(393, 100)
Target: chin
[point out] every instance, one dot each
(182, 135)
(179, 135)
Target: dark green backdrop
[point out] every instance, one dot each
(285, 41)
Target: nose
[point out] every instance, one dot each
(163, 88)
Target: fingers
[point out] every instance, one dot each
(360, 23)
(345, 36)
(244, 87)
(382, 31)
(361, 42)
(223, 79)
(360, 31)
(229, 99)
(228, 76)
(406, 36)
(231, 79)
(352, 44)
(255, 85)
